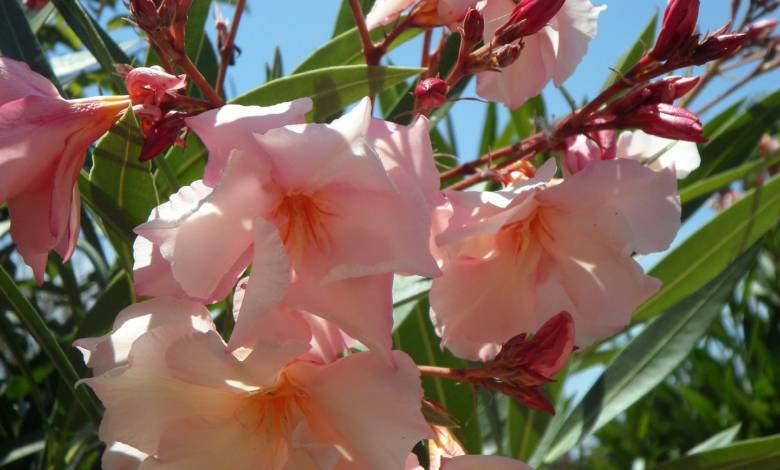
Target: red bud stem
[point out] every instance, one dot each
(226, 51)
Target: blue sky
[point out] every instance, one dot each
(298, 29)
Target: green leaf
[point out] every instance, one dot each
(38, 18)
(119, 175)
(36, 326)
(18, 41)
(707, 186)
(416, 337)
(632, 56)
(20, 450)
(712, 248)
(114, 221)
(730, 145)
(68, 67)
(331, 89)
(199, 48)
(760, 453)
(717, 441)
(99, 43)
(643, 364)
(346, 49)
(117, 295)
(489, 129)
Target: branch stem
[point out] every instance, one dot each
(226, 51)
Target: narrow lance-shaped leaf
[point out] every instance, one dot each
(643, 364)
(18, 41)
(710, 249)
(760, 453)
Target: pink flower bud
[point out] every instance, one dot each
(581, 150)
(528, 17)
(768, 146)
(666, 91)
(473, 26)
(762, 28)
(679, 25)
(431, 93)
(153, 85)
(665, 120)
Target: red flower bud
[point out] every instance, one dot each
(162, 135)
(665, 120)
(663, 91)
(528, 17)
(679, 25)
(523, 365)
(473, 26)
(717, 46)
(431, 93)
(35, 4)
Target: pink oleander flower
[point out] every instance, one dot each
(425, 12)
(43, 144)
(181, 400)
(553, 53)
(658, 153)
(325, 214)
(516, 257)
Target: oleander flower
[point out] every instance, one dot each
(553, 53)
(326, 213)
(181, 399)
(659, 153)
(43, 143)
(516, 257)
(425, 12)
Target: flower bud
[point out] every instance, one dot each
(528, 17)
(717, 46)
(666, 91)
(679, 25)
(768, 146)
(431, 93)
(761, 29)
(153, 85)
(35, 4)
(161, 135)
(665, 120)
(508, 54)
(473, 26)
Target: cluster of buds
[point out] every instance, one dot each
(525, 364)
(35, 4)
(164, 21)
(650, 108)
(680, 45)
(156, 97)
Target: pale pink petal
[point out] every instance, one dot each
(30, 212)
(18, 80)
(576, 24)
(362, 307)
(232, 127)
(680, 155)
(478, 304)
(635, 207)
(225, 217)
(378, 233)
(604, 284)
(119, 456)
(482, 462)
(370, 410)
(412, 463)
(307, 157)
(111, 350)
(385, 11)
(451, 11)
(208, 443)
(139, 404)
(407, 153)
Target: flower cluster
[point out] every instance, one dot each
(304, 226)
